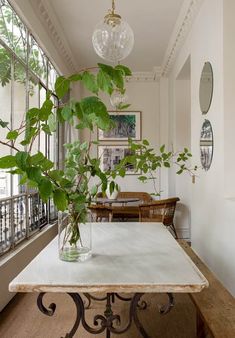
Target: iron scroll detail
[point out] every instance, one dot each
(105, 322)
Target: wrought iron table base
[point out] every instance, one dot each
(106, 321)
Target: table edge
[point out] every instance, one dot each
(125, 288)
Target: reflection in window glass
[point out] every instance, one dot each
(5, 115)
(53, 156)
(6, 18)
(37, 60)
(19, 37)
(19, 109)
(52, 75)
(23, 84)
(42, 138)
(34, 102)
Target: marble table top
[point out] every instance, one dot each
(127, 257)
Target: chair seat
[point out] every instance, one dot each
(125, 211)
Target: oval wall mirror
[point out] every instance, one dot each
(206, 87)
(206, 145)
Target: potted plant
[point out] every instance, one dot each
(71, 187)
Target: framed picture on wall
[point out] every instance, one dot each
(127, 124)
(111, 155)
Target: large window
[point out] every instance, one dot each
(26, 73)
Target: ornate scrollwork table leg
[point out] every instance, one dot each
(106, 321)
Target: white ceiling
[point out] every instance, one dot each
(151, 20)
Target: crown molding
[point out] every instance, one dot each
(153, 76)
(181, 30)
(49, 20)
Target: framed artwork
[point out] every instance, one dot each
(206, 145)
(127, 125)
(111, 155)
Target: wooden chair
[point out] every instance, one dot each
(142, 196)
(101, 212)
(131, 211)
(160, 211)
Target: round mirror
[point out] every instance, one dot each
(206, 87)
(206, 145)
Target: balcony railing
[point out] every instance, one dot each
(20, 217)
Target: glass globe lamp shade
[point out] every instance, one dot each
(117, 99)
(113, 41)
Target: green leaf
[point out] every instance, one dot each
(46, 129)
(61, 86)
(67, 113)
(34, 174)
(37, 158)
(179, 172)
(75, 77)
(104, 82)
(46, 110)
(122, 172)
(146, 142)
(89, 81)
(45, 189)
(56, 175)
(33, 114)
(122, 106)
(8, 161)
(94, 190)
(162, 149)
(118, 78)
(143, 178)
(30, 132)
(167, 164)
(124, 69)
(22, 160)
(12, 135)
(111, 187)
(47, 165)
(52, 122)
(23, 179)
(3, 124)
(107, 69)
(60, 199)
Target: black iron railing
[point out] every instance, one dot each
(20, 217)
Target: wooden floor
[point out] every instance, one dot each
(22, 319)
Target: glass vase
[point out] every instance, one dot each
(74, 239)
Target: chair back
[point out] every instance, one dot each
(159, 211)
(100, 213)
(142, 196)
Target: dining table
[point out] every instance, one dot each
(123, 201)
(128, 261)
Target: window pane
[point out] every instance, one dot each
(5, 115)
(19, 109)
(34, 102)
(37, 60)
(19, 37)
(6, 27)
(52, 75)
(42, 139)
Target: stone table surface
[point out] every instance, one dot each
(126, 257)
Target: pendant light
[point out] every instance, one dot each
(113, 38)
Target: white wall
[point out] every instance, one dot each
(182, 139)
(213, 216)
(144, 97)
